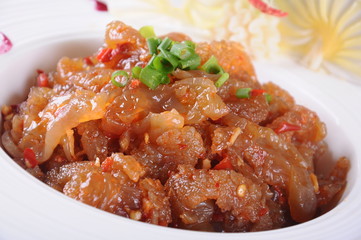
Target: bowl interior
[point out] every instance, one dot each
(17, 75)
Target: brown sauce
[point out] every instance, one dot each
(186, 154)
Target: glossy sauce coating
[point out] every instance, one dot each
(186, 154)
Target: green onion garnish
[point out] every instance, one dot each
(224, 77)
(153, 44)
(147, 31)
(243, 93)
(182, 50)
(212, 66)
(165, 79)
(191, 63)
(190, 44)
(169, 57)
(162, 64)
(268, 97)
(150, 63)
(165, 44)
(136, 71)
(151, 77)
(124, 81)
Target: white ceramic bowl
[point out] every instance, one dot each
(29, 209)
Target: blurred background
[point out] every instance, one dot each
(320, 35)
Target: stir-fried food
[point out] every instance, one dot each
(174, 133)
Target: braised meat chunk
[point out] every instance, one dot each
(174, 133)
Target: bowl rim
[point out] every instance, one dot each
(307, 229)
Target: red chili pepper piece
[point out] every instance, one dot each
(39, 71)
(30, 158)
(262, 212)
(88, 61)
(122, 51)
(224, 164)
(257, 92)
(279, 195)
(134, 83)
(286, 127)
(42, 80)
(5, 43)
(263, 7)
(107, 165)
(182, 146)
(100, 6)
(105, 55)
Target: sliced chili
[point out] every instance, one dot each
(42, 80)
(88, 61)
(278, 195)
(107, 165)
(257, 92)
(134, 83)
(262, 211)
(30, 158)
(182, 146)
(105, 55)
(286, 127)
(225, 164)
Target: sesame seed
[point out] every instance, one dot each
(135, 215)
(206, 164)
(97, 162)
(240, 161)
(146, 138)
(241, 190)
(234, 136)
(315, 182)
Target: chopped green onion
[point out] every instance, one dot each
(190, 44)
(165, 79)
(157, 63)
(162, 64)
(117, 74)
(165, 44)
(150, 63)
(212, 66)
(268, 97)
(151, 77)
(166, 56)
(224, 77)
(182, 50)
(243, 93)
(147, 31)
(191, 63)
(169, 57)
(153, 44)
(136, 71)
